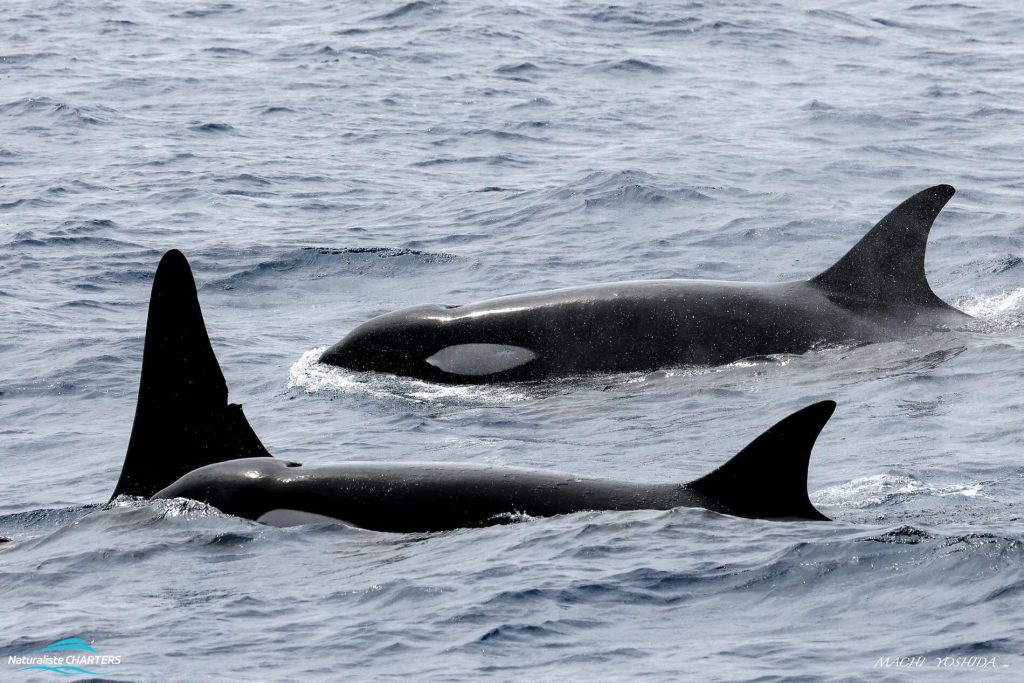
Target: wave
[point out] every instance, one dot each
(221, 51)
(320, 262)
(646, 16)
(510, 160)
(211, 11)
(60, 111)
(517, 69)
(73, 240)
(418, 8)
(212, 127)
(629, 188)
(631, 66)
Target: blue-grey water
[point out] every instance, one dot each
(324, 162)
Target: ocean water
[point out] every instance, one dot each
(320, 163)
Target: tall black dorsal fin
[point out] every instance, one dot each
(768, 478)
(182, 419)
(887, 266)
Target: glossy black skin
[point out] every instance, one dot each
(188, 441)
(765, 480)
(630, 326)
(416, 497)
(878, 291)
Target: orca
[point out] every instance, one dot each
(189, 442)
(877, 292)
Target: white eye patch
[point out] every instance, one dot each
(480, 359)
(283, 517)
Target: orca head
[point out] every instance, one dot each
(398, 343)
(428, 342)
(243, 488)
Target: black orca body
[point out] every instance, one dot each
(878, 291)
(188, 441)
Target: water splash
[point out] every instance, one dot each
(884, 489)
(311, 376)
(1004, 311)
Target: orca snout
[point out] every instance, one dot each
(395, 342)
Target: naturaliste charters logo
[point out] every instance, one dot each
(53, 658)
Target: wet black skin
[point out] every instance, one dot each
(877, 292)
(628, 326)
(415, 497)
(188, 441)
(766, 480)
(422, 496)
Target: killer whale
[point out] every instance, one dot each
(878, 291)
(188, 441)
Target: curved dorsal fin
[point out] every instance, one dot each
(768, 478)
(182, 419)
(887, 266)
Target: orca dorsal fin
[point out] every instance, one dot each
(182, 419)
(887, 266)
(768, 478)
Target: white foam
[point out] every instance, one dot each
(313, 377)
(880, 488)
(1004, 310)
(185, 508)
(511, 517)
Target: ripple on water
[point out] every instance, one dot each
(459, 151)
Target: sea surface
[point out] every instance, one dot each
(323, 162)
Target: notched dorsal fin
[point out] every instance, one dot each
(768, 478)
(182, 419)
(887, 266)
